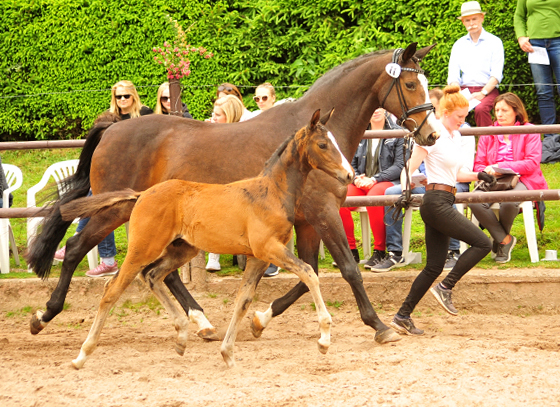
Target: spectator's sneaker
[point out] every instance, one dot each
(452, 258)
(504, 251)
(405, 326)
(103, 270)
(60, 253)
(388, 263)
(443, 296)
(376, 257)
(271, 271)
(213, 264)
(356, 255)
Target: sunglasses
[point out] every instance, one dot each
(120, 97)
(258, 98)
(223, 88)
(165, 99)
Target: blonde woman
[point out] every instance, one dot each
(227, 109)
(163, 102)
(125, 101)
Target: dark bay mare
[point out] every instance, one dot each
(142, 152)
(253, 217)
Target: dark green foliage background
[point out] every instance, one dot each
(60, 57)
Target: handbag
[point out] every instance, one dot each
(504, 183)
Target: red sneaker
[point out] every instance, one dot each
(60, 253)
(103, 270)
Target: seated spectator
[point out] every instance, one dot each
(377, 164)
(163, 102)
(227, 109)
(229, 89)
(517, 152)
(468, 146)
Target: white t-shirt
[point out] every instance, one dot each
(444, 158)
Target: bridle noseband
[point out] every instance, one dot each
(394, 70)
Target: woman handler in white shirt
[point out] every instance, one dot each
(443, 166)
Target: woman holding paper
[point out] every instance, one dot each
(537, 28)
(508, 153)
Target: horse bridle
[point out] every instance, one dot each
(394, 70)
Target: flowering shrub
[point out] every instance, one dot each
(175, 56)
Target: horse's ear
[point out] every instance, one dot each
(315, 119)
(409, 52)
(421, 53)
(326, 117)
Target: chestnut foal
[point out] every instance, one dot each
(171, 221)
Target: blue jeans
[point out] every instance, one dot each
(107, 247)
(542, 76)
(393, 230)
(455, 244)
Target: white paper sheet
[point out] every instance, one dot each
(539, 56)
(472, 101)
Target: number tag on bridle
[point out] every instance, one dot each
(394, 70)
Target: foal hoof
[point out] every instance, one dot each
(208, 334)
(323, 348)
(180, 349)
(386, 336)
(35, 325)
(256, 327)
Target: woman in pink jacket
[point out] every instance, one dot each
(518, 152)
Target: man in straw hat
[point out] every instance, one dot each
(477, 62)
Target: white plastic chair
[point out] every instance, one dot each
(366, 231)
(529, 223)
(59, 171)
(14, 177)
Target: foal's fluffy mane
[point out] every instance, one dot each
(278, 153)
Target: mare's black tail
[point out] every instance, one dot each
(41, 251)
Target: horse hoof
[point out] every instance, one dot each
(386, 336)
(35, 325)
(228, 359)
(180, 349)
(323, 348)
(256, 327)
(208, 334)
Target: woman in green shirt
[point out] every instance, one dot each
(537, 24)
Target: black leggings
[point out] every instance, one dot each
(442, 221)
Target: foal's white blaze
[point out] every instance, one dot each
(431, 121)
(345, 164)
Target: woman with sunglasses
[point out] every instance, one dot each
(163, 102)
(265, 96)
(125, 101)
(126, 104)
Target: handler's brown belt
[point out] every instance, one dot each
(441, 187)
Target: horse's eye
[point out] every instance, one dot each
(323, 146)
(410, 85)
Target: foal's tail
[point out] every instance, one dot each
(92, 205)
(41, 251)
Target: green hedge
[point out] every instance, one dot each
(60, 57)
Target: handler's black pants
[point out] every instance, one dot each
(442, 221)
